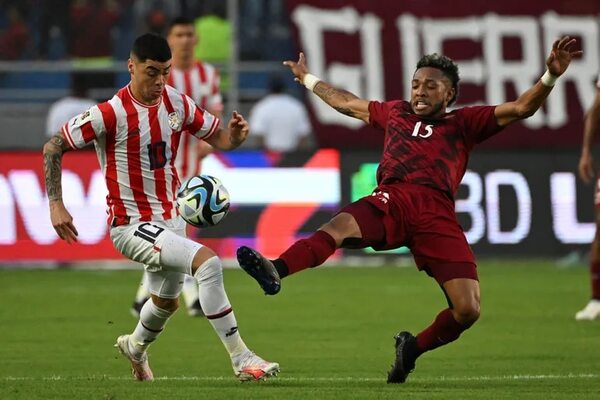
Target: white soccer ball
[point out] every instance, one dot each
(203, 201)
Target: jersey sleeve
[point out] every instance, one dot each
(84, 128)
(379, 112)
(199, 122)
(479, 123)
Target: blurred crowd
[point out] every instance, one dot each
(105, 29)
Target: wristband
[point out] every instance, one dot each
(548, 79)
(310, 81)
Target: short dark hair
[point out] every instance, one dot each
(444, 64)
(80, 84)
(151, 46)
(179, 21)
(276, 84)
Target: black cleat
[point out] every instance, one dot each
(260, 269)
(405, 359)
(136, 307)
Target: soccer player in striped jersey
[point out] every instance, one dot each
(200, 81)
(136, 135)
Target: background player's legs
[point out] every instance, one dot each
(141, 296)
(190, 285)
(592, 310)
(190, 296)
(460, 285)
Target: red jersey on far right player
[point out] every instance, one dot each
(425, 155)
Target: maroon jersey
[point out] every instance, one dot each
(429, 152)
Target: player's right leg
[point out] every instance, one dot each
(154, 315)
(592, 309)
(208, 271)
(305, 253)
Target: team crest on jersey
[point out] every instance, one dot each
(85, 117)
(175, 121)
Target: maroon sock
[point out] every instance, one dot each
(309, 252)
(443, 330)
(595, 276)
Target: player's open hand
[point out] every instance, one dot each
(561, 55)
(62, 222)
(299, 69)
(238, 128)
(586, 168)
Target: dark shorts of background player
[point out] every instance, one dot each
(421, 218)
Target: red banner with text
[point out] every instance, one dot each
(371, 48)
(276, 199)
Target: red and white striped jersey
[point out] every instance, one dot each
(137, 146)
(200, 82)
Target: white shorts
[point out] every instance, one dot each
(164, 250)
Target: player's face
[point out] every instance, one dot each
(182, 39)
(431, 92)
(148, 78)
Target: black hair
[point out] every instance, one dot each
(80, 84)
(276, 84)
(179, 21)
(151, 46)
(444, 64)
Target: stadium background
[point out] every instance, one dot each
(521, 195)
(521, 204)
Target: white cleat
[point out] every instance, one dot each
(140, 368)
(250, 367)
(590, 312)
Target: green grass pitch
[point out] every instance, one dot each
(330, 329)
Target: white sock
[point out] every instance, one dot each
(151, 323)
(190, 290)
(142, 293)
(216, 306)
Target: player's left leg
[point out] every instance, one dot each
(141, 296)
(190, 296)
(461, 287)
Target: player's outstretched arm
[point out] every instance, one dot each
(62, 221)
(341, 100)
(231, 137)
(591, 127)
(529, 102)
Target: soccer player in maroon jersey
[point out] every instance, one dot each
(586, 171)
(425, 155)
(200, 81)
(136, 135)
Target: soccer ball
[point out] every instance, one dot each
(203, 201)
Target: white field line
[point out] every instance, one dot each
(500, 378)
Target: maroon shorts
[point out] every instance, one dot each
(421, 218)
